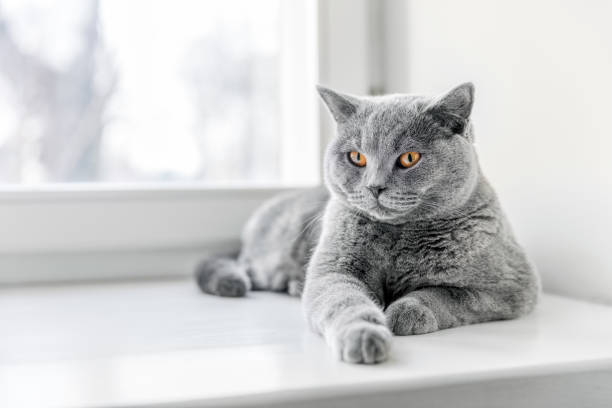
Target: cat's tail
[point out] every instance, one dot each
(223, 276)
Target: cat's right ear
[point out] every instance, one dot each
(341, 106)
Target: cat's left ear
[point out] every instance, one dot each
(453, 108)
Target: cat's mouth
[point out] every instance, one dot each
(397, 204)
(379, 206)
(384, 207)
(383, 214)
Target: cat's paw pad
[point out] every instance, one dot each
(405, 318)
(232, 286)
(364, 343)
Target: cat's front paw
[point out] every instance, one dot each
(364, 343)
(408, 316)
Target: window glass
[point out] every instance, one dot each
(154, 91)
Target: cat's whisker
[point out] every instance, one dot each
(315, 218)
(398, 203)
(432, 205)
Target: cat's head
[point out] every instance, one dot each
(398, 157)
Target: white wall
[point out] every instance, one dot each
(543, 117)
(344, 57)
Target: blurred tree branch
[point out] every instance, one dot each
(61, 111)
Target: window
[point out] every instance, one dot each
(149, 91)
(137, 135)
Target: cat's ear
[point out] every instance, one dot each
(453, 108)
(341, 106)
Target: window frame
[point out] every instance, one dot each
(85, 231)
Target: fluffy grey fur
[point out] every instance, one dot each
(384, 249)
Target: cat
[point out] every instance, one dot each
(407, 236)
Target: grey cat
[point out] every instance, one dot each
(407, 238)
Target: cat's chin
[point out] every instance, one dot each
(381, 213)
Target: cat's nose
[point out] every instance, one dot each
(376, 190)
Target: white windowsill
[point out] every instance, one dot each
(136, 191)
(83, 232)
(162, 343)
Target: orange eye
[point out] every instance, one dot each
(357, 159)
(409, 159)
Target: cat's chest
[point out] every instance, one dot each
(407, 253)
(393, 247)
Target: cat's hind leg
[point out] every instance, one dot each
(295, 287)
(277, 271)
(223, 276)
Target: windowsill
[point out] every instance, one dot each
(78, 233)
(53, 192)
(162, 342)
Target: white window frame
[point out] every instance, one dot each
(67, 232)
